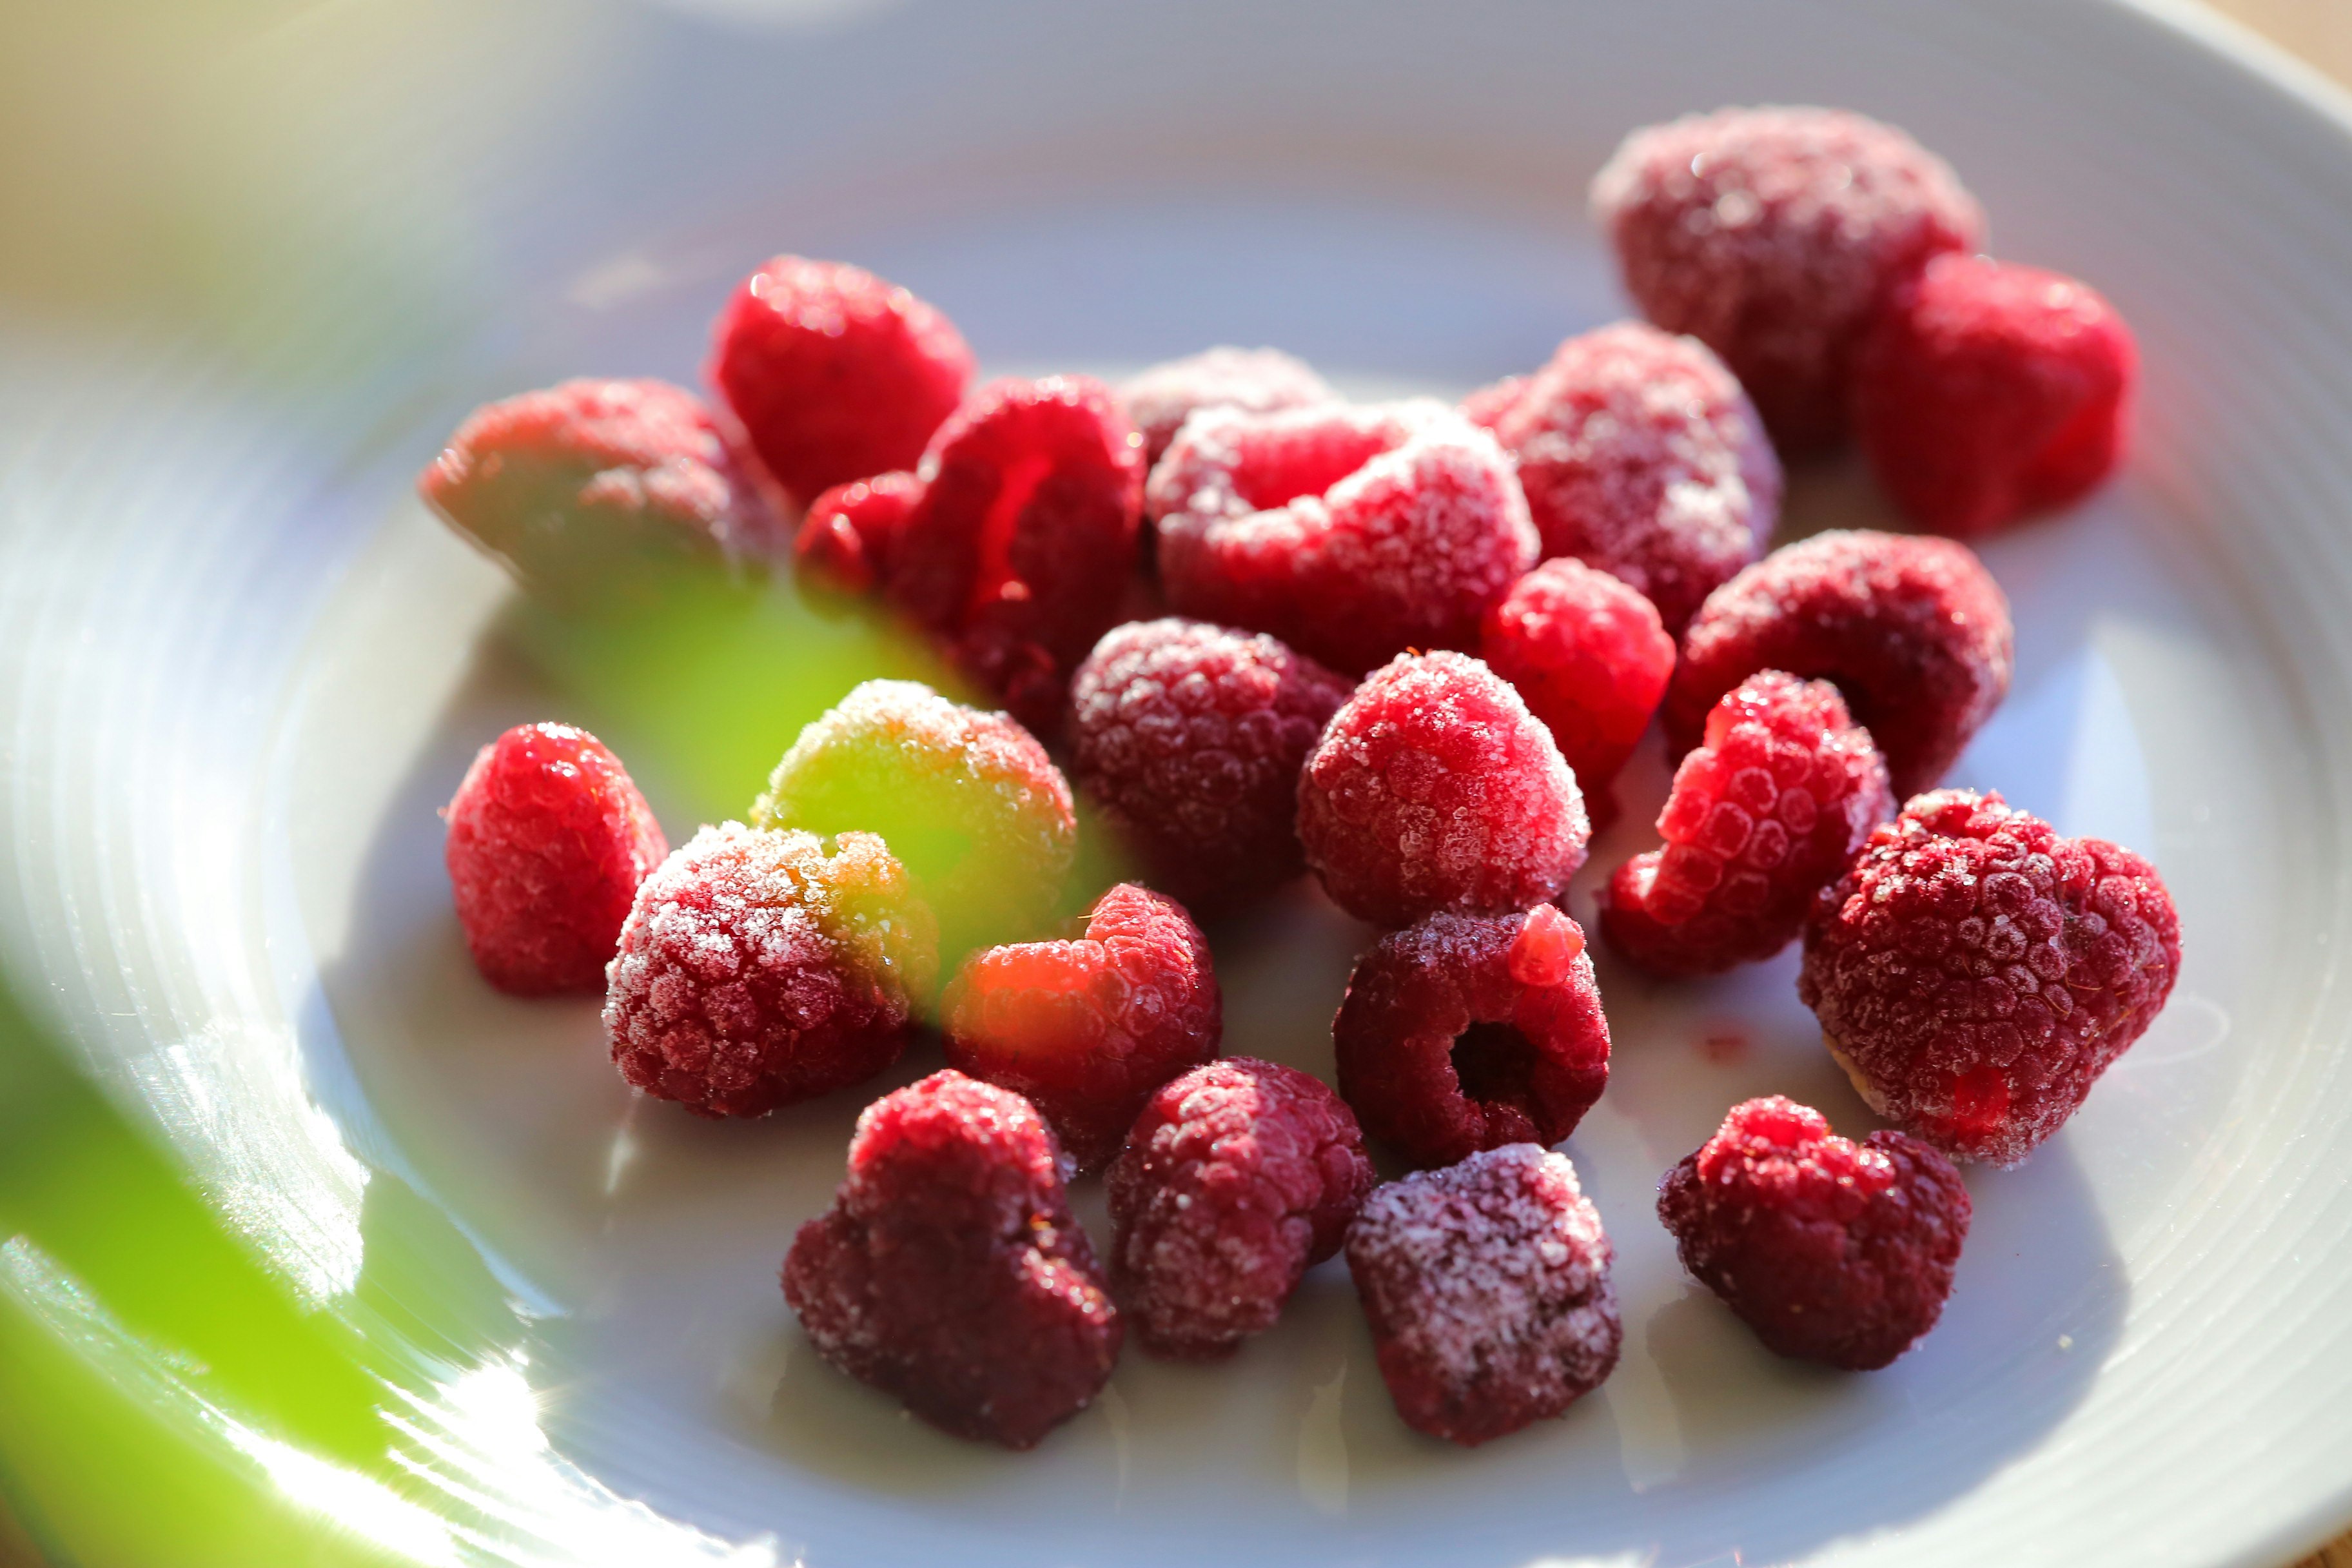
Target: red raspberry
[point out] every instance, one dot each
(1258, 381)
(846, 540)
(1190, 738)
(1640, 455)
(1915, 631)
(1238, 1178)
(1974, 973)
(548, 841)
(948, 1272)
(1087, 1028)
(969, 801)
(1987, 391)
(1768, 812)
(1832, 1251)
(757, 970)
(1487, 1285)
(1773, 236)
(577, 489)
(834, 374)
(1434, 788)
(1465, 1032)
(1485, 407)
(1351, 533)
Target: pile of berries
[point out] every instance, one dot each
(1406, 646)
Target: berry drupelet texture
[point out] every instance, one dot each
(1257, 381)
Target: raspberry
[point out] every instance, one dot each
(1987, 391)
(948, 1272)
(846, 540)
(969, 801)
(1640, 455)
(548, 841)
(1832, 1251)
(1773, 236)
(1465, 1032)
(1915, 631)
(1257, 381)
(1238, 1178)
(836, 374)
(1351, 533)
(1190, 738)
(577, 489)
(757, 970)
(1974, 973)
(1434, 788)
(1768, 812)
(1487, 1285)
(1087, 1028)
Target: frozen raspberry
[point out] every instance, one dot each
(948, 1272)
(846, 539)
(1773, 236)
(1258, 381)
(1487, 1285)
(548, 841)
(1351, 533)
(1987, 391)
(1832, 1251)
(576, 489)
(1915, 631)
(1485, 407)
(968, 800)
(836, 374)
(1434, 788)
(1640, 455)
(1974, 973)
(1238, 1178)
(757, 970)
(1088, 1028)
(1191, 739)
(1469, 1032)
(1765, 814)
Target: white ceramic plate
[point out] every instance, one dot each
(244, 668)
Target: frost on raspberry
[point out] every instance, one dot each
(1351, 533)
(950, 1274)
(1915, 631)
(1088, 1026)
(1257, 381)
(1975, 972)
(548, 841)
(1238, 1177)
(1486, 1285)
(1434, 788)
(1832, 1251)
(759, 969)
(1768, 811)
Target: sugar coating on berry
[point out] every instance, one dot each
(1190, 738)
(1915, 631)
(1486, 1285)
(1434, 788)
(1975, 972)
(1638, 454)
(1770, 809)
(836, 374)
(1351, 533)
(948, 1272)
(969, 801)
(1469, 1032)
(757, 969)
(1257, 380)
(1987, 391)
(1087, 1027)
(849, 533)
(1238, 1177)
(548, 841)
(1773, 236)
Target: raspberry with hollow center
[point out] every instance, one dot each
(1486, 1285)
(948, 1272)
(1974, 971)
(1238, 1177)
(1832, 1251)
(758, 970)
(1258, 381)
(1087, 1028)
(1766, 812)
